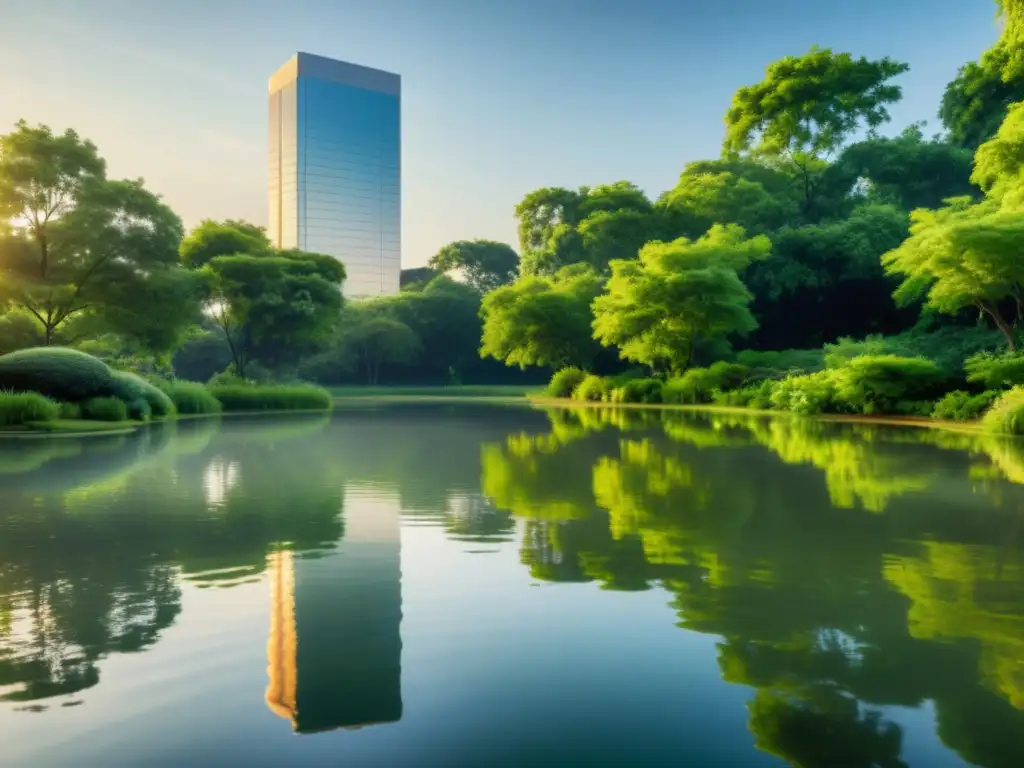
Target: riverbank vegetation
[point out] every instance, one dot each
(816, 267)
(823, 263)
(41, 386)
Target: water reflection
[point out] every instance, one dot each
(845, 569)
(844, 572)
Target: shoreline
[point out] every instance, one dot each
(117, 428)
(920, 422)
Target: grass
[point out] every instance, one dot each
(284, 397)
(467, 391)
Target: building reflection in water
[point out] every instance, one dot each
(335, 649)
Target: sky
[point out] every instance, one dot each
(499, 97)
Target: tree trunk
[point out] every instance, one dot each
(1001, 324)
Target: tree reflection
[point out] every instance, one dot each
(847, 568)
(97, 534)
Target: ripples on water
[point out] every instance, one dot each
(483, 585)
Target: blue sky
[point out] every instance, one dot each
(500, 97)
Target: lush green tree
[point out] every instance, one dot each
(559, 227)
(975, 102)
(371, 338)
(274, 308)
(999, 162)
(754, 196)
(1012, 14)
(542, 321)
(74, 241)
(826, 280)
(906, 171)
(416, 276)
(607, 236)
(656, 307)
(541, 211)
(484, 264)
(222, 238)
(445, 317)
(806, 108)
(961, 256)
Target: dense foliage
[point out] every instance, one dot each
(819, 233)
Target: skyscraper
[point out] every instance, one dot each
(335, 167)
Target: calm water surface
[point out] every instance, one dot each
(481, 585)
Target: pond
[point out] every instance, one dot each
(479, 585)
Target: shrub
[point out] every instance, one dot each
(130, 387)
(57, 373)
(698, 385)
(70, 411)
(751, 396)
(809, 394)
(620, 379)
(17, 408)
(229, 378)
(787, 360)
(188, 396)
(637, 391)
(565, 381)
(293, 397)
(105, 409)
(995, 371)
(1006, 416)
(593, 389)
(880, 383)
(963, 406)
(138, 409)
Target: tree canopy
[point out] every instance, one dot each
(657, 306)
(75, 242)
(485, 264)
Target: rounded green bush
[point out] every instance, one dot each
(639, 391)
(593, 389)
(130, 387)
(18, 408)
(1006, 416)
(139, 410)
(565, 381)
(105, 409)
(284, 397)
(58, 373)
(698, 385)
(963, 406)
(70, 411)
(189, 397)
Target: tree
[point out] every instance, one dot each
(445, 316)
(755, 197)
(906, 171)
(806, 108)
(1012, 14)
(274, 306)
(559, 227)
(607, 236)
(541, 211)
(960, 256)
(416, 277)
(975, 102)
(75, 241)
(485, 264)
(824, 281)
(371, 338)
(542, 321)
(654, 309)
(999, 162)
(212, 238)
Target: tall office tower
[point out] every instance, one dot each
(334, 656)
(335, 167)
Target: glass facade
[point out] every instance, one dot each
(335, 168)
